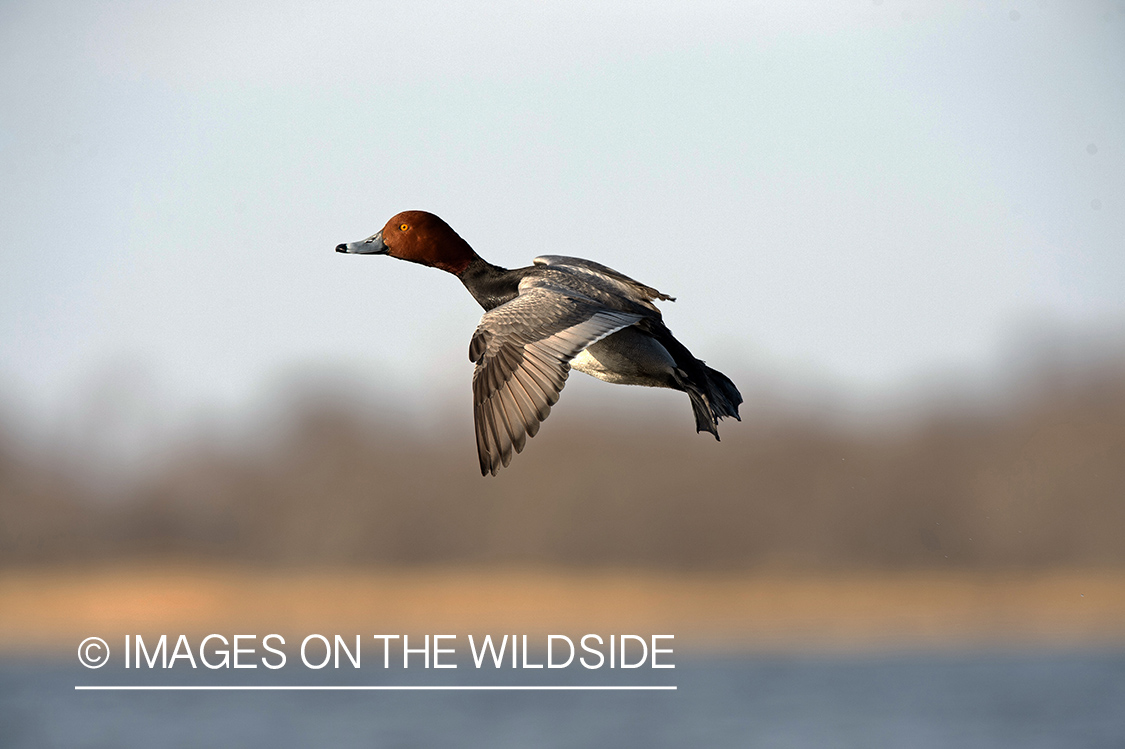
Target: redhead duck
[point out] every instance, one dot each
(540, 322)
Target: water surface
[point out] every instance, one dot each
(1025, 700)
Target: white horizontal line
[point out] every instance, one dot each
(379, 688)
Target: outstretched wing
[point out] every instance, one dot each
(522, 350)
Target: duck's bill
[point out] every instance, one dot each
(373, 245)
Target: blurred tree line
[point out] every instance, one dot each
(1036, 481)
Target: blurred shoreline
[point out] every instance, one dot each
(1034, 483)
(48, 610)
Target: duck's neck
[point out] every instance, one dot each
(490, 284)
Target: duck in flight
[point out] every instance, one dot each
(558, 314)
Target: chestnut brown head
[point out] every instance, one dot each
(419, 237)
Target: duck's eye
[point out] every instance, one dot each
(403, 227)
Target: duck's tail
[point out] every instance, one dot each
(713, 396)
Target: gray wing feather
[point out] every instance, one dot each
(522, 350)
(630, 287)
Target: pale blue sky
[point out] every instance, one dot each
(865, 192)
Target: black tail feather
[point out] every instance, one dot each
(713, 399)
(724, 396)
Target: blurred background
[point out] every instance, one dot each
(897, 226)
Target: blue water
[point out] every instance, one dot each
(1024, 700)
